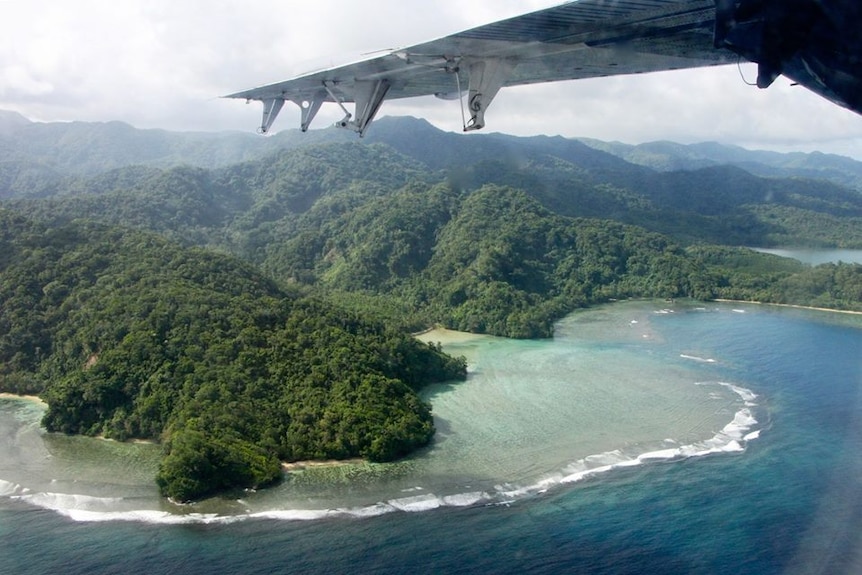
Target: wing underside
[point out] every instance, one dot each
(581, 39)
(813, 42)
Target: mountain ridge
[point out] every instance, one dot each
(57, 146)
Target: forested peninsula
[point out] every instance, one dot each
(251, 303)
(127, 335)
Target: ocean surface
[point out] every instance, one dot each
(646, 437)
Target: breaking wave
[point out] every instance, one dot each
(696, 358)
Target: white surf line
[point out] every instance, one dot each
(731, 439)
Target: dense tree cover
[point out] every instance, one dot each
(723, 205)
(826, 230)
(127, 335)
(743, 274)
(833, 286)
(77, 148)
(373, 229)
(491, 260)
(243, 209)
(494, 260)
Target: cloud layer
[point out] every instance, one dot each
(164, 64)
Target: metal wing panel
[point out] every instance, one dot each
(593, 38)
(311, 83)
(580, 39)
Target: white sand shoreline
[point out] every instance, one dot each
(32, 398)
(445, 335)
(300, 465)
(790, 305)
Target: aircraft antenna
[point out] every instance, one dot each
(741, 74)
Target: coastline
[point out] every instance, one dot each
(134, 440)
(791, 305)
(445, 335)
(31, 398)
(301, 465)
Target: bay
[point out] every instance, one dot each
(509, 492)
(815, 256)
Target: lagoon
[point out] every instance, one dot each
(693, 439)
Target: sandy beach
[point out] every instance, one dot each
(32, 398)
(443, 335)
(790, 305)
(300, 465)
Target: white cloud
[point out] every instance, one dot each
(164, 63)
(17, 82)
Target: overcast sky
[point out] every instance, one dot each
(164, 64)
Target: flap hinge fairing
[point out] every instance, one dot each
(271, 108)
(368, 96)
(309, 109)
(486, 78)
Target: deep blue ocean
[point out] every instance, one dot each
(790, 501)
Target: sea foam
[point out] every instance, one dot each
(696, 358)
(70, 501)
(87, 508)
(732, 438)
(417, 503)
(145, 516)
(8, 488)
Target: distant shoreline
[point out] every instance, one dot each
(790, 305)
(444, 336)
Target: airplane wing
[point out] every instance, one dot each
(575, 40)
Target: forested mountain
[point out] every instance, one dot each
(494, 260)
(245, 207)
(491, 260)
(383, 216)
(713, 199)
(670, 156)
(77, 148)
(279, 330)
(86, 148)
(491, 247)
